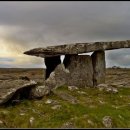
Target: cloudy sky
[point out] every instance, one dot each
(26, 25)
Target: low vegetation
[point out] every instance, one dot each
(88, 112)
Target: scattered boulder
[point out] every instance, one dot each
(107, 121)
(72, 88)
(39, 91)
(15, 90)
(102, 87)
(58, 77)
(107, 88)
(112, 90)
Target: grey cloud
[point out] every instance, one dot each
(51, 23)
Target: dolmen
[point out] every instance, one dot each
(76, 70)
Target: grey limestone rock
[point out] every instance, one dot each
(99, 67)
(81, 70)
(15, 90)
(77, 48)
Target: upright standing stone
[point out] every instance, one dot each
(51, 63)
(98, 60)
(81, 70)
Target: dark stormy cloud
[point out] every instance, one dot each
(26, 25)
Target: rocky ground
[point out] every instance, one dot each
(107, 106)
(16, 73)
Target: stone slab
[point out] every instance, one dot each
(77, 48)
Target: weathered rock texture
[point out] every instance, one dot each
(51, 63)
(81, 70)
(67, 97)
(39, 92)
(78, 72)
(77, 48)
(58, 77)
(99, 67)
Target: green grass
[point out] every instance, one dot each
(92, 106)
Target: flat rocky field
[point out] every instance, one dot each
(14, 73)
(68, 107)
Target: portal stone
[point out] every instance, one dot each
(51, 63)
(98, 60)
(81, 70)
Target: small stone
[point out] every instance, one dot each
(31, 120)
(101, 87)
(1, 122)
(68, 125)
(22, 114)
(71, 88)
(56, 107)
(114, 90)
(120, 117)
(108, 89)
(74, 118)
(107, 121)
(102, 102)
(90, 122)
(115, 106)
(4, 112)
(49, 101)
(121, 96)
(81, 92)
